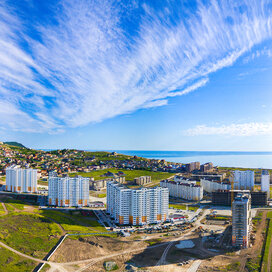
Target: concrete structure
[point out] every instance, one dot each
(209, 176)
(68, 192)
(190, 167)
(213, 186)
(142, 180)
(241, 220)
(224, 197)
(181, 179)
(137, 206)
(265, 182)
(98, 185)
(206, 167)
(21, 180)
(243, 180)
(185, 190)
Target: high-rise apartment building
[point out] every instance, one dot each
(185, 189)
(265, 181)
(243, 180)
(68, 192)
(21, 180)
(241, 220)
(137, 206)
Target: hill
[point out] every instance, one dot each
(15, 144)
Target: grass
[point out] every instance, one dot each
(130, 174)
(31, 234)
(232, 267)
(152, 242)
(2, 211)
(11, 262)
(267, 246)
(253, 264)
(17, 204)
(45, 268)
(269, 215)
(74, 223)
(102, 195)
(183, 207)
(9, 207)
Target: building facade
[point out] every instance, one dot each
(68, 192)
(265, 181)
(137, 206)
(187, 190)
(142, 180)
(213, 186)
(241, 220)
(206, 167)
(243, 180)
(21, 180)
(190, 167)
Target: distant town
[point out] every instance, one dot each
(185, 216)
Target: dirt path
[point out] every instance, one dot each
(269, 258)
(254, 251)
(5, 209)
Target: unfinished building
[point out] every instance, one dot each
(241, 220)
(223, 197)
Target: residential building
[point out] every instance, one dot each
(265, 181)
(190, 167)
(206, 167)
(67, 191)
(243, 180)
(142, 180)
(186, 190)
(181, 179)
(98, 185)
(137, 206)
(21, 180)
(241, 220)
(212, 186)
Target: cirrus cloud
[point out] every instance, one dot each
(245, 129)
(95, 60)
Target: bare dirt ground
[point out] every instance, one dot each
(218, 262)
(93, 247)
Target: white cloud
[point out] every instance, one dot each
(94, 69)
(245, 129)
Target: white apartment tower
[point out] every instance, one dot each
(68, 192)
(265, 182)
(184, 189)
(137, 206)
(243, 180)
(213, 186)
(241, 220)
(21, 180)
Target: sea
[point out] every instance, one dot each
(218, 158)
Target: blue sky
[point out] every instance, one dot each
(147, 75)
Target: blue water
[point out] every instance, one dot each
(219, 158)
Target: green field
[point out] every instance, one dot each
(74, 223)
(183, 207)
(267, 247)
(2, 211)
(11, 262)
(129, 174)
(17, 204)
(31, 234)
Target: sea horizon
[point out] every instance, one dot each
(242, 159)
